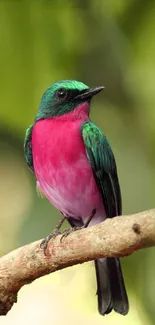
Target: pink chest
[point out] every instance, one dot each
(62, 168)
(58, 152)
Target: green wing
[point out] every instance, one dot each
(28, 148)
(102, 161)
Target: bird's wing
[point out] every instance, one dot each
(102, 161)
(28, 148)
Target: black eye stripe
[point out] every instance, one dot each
(68, 94)
(75, 92)
(71, 93)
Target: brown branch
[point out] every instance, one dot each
(119, 236)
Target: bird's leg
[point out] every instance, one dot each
(54, 233)
(89, 219)
(70, 230)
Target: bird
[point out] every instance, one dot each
(75, 169)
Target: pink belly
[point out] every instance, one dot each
(63, 171)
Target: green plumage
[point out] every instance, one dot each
(102, 161)
(28, 148)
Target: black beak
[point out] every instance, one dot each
(89, 93)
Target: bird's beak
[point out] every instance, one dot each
(89, 93)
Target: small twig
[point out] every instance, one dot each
(115, 237)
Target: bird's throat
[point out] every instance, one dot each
(80, 112)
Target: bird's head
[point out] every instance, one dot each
(63, 97)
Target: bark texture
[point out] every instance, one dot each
(116, 237)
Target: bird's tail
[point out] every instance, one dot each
(110, 287)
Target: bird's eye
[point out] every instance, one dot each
(61, 94)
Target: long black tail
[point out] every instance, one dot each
(110, 287)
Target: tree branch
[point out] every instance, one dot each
(115, 237)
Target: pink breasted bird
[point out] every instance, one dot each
(75, 168)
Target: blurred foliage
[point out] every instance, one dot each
(99, 42)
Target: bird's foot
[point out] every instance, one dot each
(53, 235)
(68, 231)
(46, 240)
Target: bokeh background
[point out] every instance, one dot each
(108, 43)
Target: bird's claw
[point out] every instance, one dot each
(68, 231)
(46, 240)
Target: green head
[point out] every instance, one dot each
(63, 97)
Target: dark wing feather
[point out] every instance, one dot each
(102, 161)
(28, 148)
(110, 284)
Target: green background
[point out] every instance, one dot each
(108, 43)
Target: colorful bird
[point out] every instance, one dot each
(75, 169)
